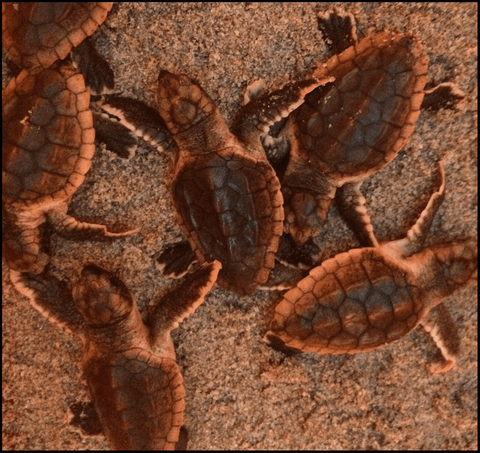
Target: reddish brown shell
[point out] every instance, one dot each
(357, 124)
(356, 301)
(230, 207)
(48, 136)
(139, 398)
(39, 33)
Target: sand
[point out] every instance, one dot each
(240, 393)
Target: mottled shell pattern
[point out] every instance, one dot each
(368, 297)
(351, 128)
(40, 33)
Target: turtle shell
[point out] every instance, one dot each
(356, 301)
(48, 136)
(231, 209)
(39, 33)
(139, 398)
(355, 125)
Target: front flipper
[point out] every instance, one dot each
(71, 228)
(176, 260)
(142, 120)
(338, 28)
(116, 136)
(181, 301)
(256, 117)
(98, 74)
(51, 297)
(440, 325)
(351, 206)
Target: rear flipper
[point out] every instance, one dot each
(440, 325)
(444, 96)
(283, 277)
(338, 28)
(176, 260)
(274, 342)
(304, 257)
(351, 206)
(71, 228)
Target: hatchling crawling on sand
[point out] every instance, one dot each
(368, 297)
(129, 365)
(349, 128)
(47, 129)
(226, 194)
(48, 145)
(37, 34)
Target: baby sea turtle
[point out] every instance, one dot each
(350, 128)
(368, 297)
(48, 144)
(129, 365)
(226, 194)
(37, 34)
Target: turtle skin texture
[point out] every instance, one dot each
(129, 364)
(39, 33)
(368, 297)
(349, 128)
(47, 148)
(48, 143)
(226, 194)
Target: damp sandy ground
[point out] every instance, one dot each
(240, 393)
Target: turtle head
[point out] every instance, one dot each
(181, 102)
(101, 297)
(458, 263)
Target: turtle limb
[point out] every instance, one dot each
(69, 227)
(144, 121)
(51, 297)
(176, 260)
(308, 194)
(182, 442)
(443, 96)
(274, 142)
(115, 135)
(303, 257)
(417, 234)
(441, 326)
(351, 206)
(98, 74)
(276, 343)
(181, 301)
(263, 111)
(338, 28)
(283, 277)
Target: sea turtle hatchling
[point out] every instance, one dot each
(226, 194)
(47, 148)
(129, 365)
(37, 34)
(349, 128)
(368, 297)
